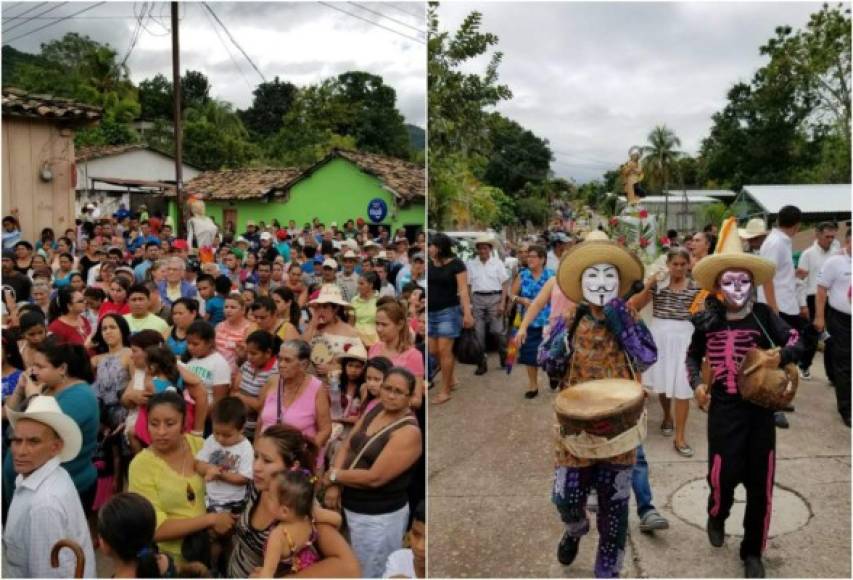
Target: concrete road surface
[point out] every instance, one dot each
(490, 475)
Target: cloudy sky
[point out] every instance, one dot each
(302, 43)
(595, 78)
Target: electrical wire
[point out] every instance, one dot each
(20, 36)
(28, 10)
(228, 50)
(397, 32)
(134, 38)
(51, 9)
(391, 18)
(12, 7)
(234, 41)
(420, 16)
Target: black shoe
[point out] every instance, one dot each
(481, 368)
(781, 420)
(846, 420)
(753, 567)
(553, 382)
(788, 408)
(567, 551)
(531, 394)
(716, 532)
(502, 358)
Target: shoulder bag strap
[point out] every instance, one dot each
(376, 436)
(278, 401)
(764, 330)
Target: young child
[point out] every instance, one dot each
(162, 370)
(290, 547)
(261, 364)
(139, 342)
(352, 363)
(94, 300)
(225, 460)
(206, 362)
(374, 375)
(411, 562)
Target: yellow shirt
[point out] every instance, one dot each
(365, 317)
(152, 478)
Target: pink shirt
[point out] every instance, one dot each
(227, 339)
(301, 414)
(559, 304)
(411, 359)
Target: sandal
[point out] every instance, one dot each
(666, 429)
(441, 398)
(531, 394)
(684, 451)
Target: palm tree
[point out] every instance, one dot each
(660, 160)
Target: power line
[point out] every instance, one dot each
(51, 9)
(391, 18)
(28, 10)
(397, 32)
(240, 48)
(12, 7)
(395, 7)
(76, 18)
(228, 50)
(134, 38)
(53, 23)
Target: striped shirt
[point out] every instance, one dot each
(670, 304)
(227, 339)
(252, 381)
(249, 543)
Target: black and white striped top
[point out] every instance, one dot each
(671, 304)
(249, 543)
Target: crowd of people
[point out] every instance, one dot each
(249, 408)
(568, 304)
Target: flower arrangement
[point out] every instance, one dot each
(637, 231)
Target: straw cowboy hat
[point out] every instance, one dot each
(485, 239)
(754, 228)
(730, 255)
(596, 249)
(330, 294)
(46, 410)
(353, 351)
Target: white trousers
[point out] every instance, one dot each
(375, 537)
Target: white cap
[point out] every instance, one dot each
(330, 263)
(266, 236)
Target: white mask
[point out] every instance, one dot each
(736, 286)
(600, 283)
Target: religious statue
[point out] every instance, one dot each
(200, 227)
(632, 175)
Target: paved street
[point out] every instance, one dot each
(490, 474)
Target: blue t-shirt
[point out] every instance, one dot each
(215, 307)
(162, 385)
(177, 346)
(284, 250)
(530, 288)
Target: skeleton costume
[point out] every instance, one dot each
(596, 272)
(741, 434)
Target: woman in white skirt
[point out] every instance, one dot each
(672, 293)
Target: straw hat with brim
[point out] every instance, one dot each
(729, 255)
(46, 410)
(489, 240)
(596, 251)
(330, 294)
(754, 228)
(356, 352)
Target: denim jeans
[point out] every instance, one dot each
(640, 483)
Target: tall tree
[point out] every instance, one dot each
(517, 156)
(660, 160)
(270, 103)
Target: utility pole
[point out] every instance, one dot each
(176, 92)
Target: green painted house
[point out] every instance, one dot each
(341, 186)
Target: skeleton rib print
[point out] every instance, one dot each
(726, 349)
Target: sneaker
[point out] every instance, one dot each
(753, 567)
(592, 502)
(567, 551)
(482, 368)
(805, 374)
(781, 420)
(652, 520)
(716, 532)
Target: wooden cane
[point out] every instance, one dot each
(79, 556)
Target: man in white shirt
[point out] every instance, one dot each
(781, 293)
(811, 261)
(561, 242)
(832, 311)
(489, 283)
(45, 507)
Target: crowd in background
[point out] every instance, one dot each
(263, 396)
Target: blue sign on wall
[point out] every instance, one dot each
(377, 209)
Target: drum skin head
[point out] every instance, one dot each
(598, 399)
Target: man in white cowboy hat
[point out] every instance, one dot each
(489, 284)
(594, 275)
(347, 279)
(559, 242)
(741, 434)
(754, 234)
(45, 507)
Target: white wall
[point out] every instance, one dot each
(140, 164)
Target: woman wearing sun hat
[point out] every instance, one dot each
(741, 434)
(329, 324)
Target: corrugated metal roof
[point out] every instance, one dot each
(720, 193)
(813, 198)
(673, 199)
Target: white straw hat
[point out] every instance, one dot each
(46, 410)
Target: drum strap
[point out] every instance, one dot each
(761, 326)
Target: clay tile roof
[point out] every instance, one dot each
(22, 104)
(241, 183)
(405, 180)
(98, 151)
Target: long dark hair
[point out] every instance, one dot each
(292, 446)
(163, 361)
(61, 303)
(11, 351)
(443, 244)
(127, 523)
(100, 345)
(295, 313)
(72, 355)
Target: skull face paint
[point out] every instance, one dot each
(600, 283)
(736, 286)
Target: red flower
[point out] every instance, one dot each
(621, 240)
(643, 214)
(614, 221)
(644, 242)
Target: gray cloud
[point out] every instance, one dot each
(301, 42)
(595, 77)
